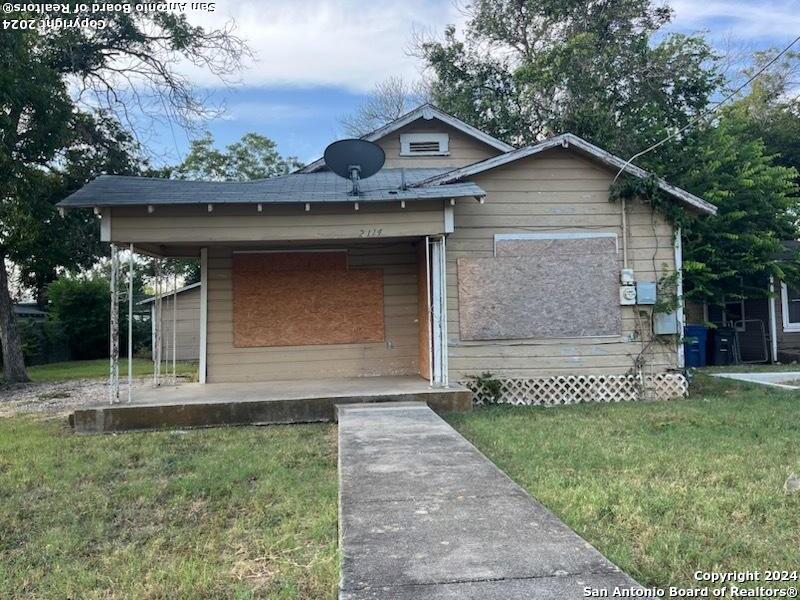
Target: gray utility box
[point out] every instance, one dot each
(645, 292)
(665, 323)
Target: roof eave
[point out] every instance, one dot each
(474, 192)
(565, 140)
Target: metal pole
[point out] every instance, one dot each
(174, 326)
(130, 324)
(113, 391)
(157, 357)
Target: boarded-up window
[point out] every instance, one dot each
(304, 298)
(541, 287)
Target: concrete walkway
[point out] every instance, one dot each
(423, 514)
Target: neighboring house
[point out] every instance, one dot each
(767, 329)
(29, 311)
(462, 256)
(186, 318)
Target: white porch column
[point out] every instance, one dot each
(203, 313)
(773, 322)
(439, 310)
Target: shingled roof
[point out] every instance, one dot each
(385, 186)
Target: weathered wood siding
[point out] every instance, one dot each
(464, 150)
(243, 223)
(397, 355)
(555, 191)
(188, 325)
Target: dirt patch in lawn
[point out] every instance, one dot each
(59, 398)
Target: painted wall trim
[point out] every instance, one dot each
(449, 219)
(203, 314)
(439, 311)
(105, 225)
(788, 326)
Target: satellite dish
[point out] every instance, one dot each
(354, 160)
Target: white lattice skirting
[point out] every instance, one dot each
(574, 389)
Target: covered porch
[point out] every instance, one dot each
(304, 303)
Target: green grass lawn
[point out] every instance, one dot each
(96, 369)
(662, 489)
(217, 513)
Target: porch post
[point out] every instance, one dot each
(203, 312)
(130, 324)
(773, 323)
(113, 354)
(439, 310)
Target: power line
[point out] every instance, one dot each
(709, 110)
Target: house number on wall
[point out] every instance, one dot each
(368, 233)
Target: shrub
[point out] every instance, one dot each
(81, 306)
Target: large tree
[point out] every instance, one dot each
(525, 69)
(39, 241)
(50, 79)
(254, 156)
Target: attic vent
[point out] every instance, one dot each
(424, 144)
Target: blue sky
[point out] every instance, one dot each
(316, 59)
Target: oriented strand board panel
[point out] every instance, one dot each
(553, 248)
(544, 293)
(423, 310)
(304, 307)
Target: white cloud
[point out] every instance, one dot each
(266, 113)
(743, 19)
(344, 43)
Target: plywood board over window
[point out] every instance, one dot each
(304, 298)
(540, 287)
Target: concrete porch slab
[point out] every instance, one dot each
(206, 405)
(423, 514)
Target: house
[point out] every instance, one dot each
(462, 256)
(181, 308)
(767, 328)
(29, 311)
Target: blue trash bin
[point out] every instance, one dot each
(695, 338)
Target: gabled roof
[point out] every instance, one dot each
(296, 188)
(185, 288)
(566, 140)
(427, 112)
(28, 309)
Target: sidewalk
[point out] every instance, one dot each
(423, 514)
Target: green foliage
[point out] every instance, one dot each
(81, 305)
(51, 141)
(667, 300)
(593, 69)
(253, 157)
(43, 341)
(40, 241)
(490, 383)
(731, 255)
